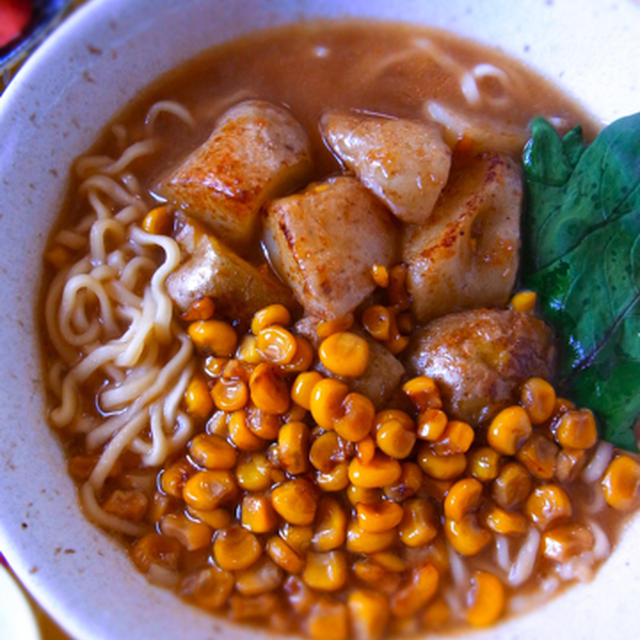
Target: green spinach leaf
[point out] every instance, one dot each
(582, 256)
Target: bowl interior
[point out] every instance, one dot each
(54, 109)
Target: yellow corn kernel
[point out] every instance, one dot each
(296, 413)
(437, 489)
(538, 398)
(380, 275)
(235, 548)
(577, 429)
(158, 221)
(198, 399)
(213, 336)
(258, 514)
(397, 342)
(538, 454)
(326, 401)
(328, 620)
(330, 525)
(431, 424)
(253, 472)
(327, 328)
(247, 350)
(506, 523)
(408, 483)
(441, 467)
(397, 289)
(390, 561)
(566, 541)
(302, 359)
(523, 301)
(128, 504)
(486, 599)
(423, 392)
(621, 483)
(378, 517)
(416, 593)
(229, 395)
(276, 344)
(369, 614)
(465, 536)
(58, 256)
(456, 438)
(326, 450)
(264, 425)
(394, 439)
(175, 476)
(216, 518)
(154, 548)
(209, 588)
(283, 555)
(270, 315)
(484, 464)
(208, 490)
(512, 486)
(377, 322)
(258, 607)
(335, 479)
(509, 429)
(436, 613)
(569, 464)
(345, 354)
(262, 577)
(191, 535)
(362, 495)
(240, 434)
(298, 595)
(214, 367)
(159, 506)
(396, 415)
(546, 504)
(303, 386)
(464, 496)
(357, 418)
(406, 323)
(365, 450)
(325, 571)
(376, 575)
(297, 537)
(212, 452)
(295, 501)
(379, 472)
(293, 447)
(361, 541)
(201, 309)
(269, 391)
(420, 522)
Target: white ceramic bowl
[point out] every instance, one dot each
(54, 109)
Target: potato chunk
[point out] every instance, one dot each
(404, 162)
(324, 241)
(256, 151)
(238, 288)
(480, 358)
(467, 256)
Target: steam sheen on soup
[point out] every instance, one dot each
(286, 350)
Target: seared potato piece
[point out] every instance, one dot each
(238, 288)
(480, 359)
(404, 162)
(324, 241)
(256, 151)
(467, 256)
(380, 379)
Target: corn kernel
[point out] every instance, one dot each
(506, 523)
(621, 483)
(390, 561)
(330, 525)
(216, 518)
(302, 359)
(270, 315)
(420, 523)
(484, 464)
(523, 301)
(201, 309)
(295, 501)
(365, 450)
(297, 537)
(213, 336)
(326, 450)
(357, 417)
(128, 504)
(538, 454)
(303, 386)
(509, 429)
(154, 548)
(235, 548)
(464, 496)
(538, 398)
(345, 354)
(262, 577)
(423, 392)
(512, 486)
(436, 613)
(456, 438)
(369, 614)
(276, 344)
(566, 541)
(416, 593)
(328, 620)
(247, 350)
(327, 328)
(487, 599)
(253, 472)
(209, 588)
(207, 490)
(577, 429)
(394, 439)
(377, 322)
(191, 535)
(212, 452)
(268, 391)
(465, 536)
(546, 504)
(431, 424)
(335, 479)
(258, 607)
(361, 541)
(408, 483)
(175, 476)
(198, 399)
(361, 494)
(326, 401)
(441, 467)
(381, 471)
(293, 447)
(283, 555)
(325, 571)
(258, 514)
(158, 221)
(240, 434)
(380, 275)
(569, 464)
(229, 395)
(378, 517)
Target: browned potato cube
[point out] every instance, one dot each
(404, 162)
(256, 151)
(238, 288)
(324, 241)
(467, 255)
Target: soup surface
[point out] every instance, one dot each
(342, 448)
